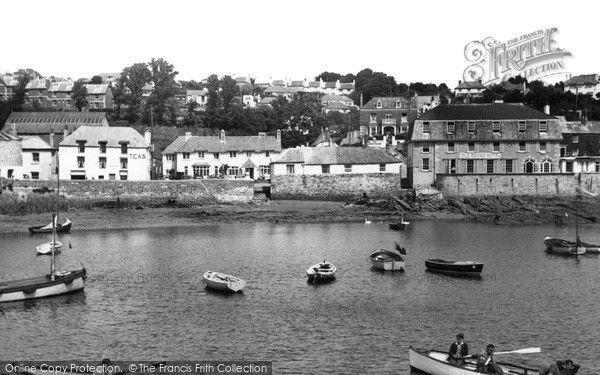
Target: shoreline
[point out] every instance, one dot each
(269, 211)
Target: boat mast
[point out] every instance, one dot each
(53, 247)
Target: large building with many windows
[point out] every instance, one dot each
(235, 156)
(482, 139)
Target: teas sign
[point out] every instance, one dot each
(534, 56)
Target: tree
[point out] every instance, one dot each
(229, 90)
(79, 94)
(96, 80)
(128, 93)
(162, 75)
(328, 77)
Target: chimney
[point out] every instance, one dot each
(547, 109)
(66, 132)
(51, 140)
(279, 136)
(187, 136)
(479, 80)
(361, 100)
(148, 136)
(13, 129)
(222, 136)
(459, 81)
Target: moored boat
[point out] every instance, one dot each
(223, 282)
(60, 228)
(435, 362)
(399, 225)
(454, 267)
(321, 271)
(386, 260)
(46, 248)
(565, 247)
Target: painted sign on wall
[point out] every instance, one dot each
(533, 56)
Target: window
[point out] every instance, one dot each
(489, 166)
(248, 154)
(569, 167)
(379, 104)
(289, 169)
(522, 126)
(496, 146)
(123, 177)
(216, 170)
(215, 155)
(267, 153)
(450, 127)
(522, 147)
(381, 167)
(425, 148)
(597, 166)
(201, 154)
(185, 155)
(496, 126)
(471, 146)
(471, 126)
(232, 154)
(373, 117)
(102, 147)
(470, 165)
(426, 127)
(201, 171)
(546, 166)
(425, 164)
(102, 163)
(35, 175)
(575, 139)
(123, 148)
(398, 105)
(81, 146)
(325, 169)
(264, 170)
(450, 146)
(233, 171)
(348, 168)
(543, 147)
(80, 162)
(169, 157)
(529, 166)
(543, 126)
(36, 157)
(123, 163)
(508, 166)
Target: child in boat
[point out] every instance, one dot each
(458, 350)
(566, 367)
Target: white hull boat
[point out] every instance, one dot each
(386, 260)
(223, 282)
(46, 248)
(321, 271)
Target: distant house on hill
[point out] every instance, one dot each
(583, 84)
(469, 89)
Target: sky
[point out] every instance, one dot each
(414, 41)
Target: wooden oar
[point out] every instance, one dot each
(522, 351)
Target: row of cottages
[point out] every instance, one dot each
(496, 138)
(386, 120)
(203, 157)
(583, 84)
(320, 86)
(334, 160)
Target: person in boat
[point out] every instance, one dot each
(458, 351)
(566, 367)
(104, 368)
(486, 363)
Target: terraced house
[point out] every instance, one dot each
(482, 139)
(236, 156)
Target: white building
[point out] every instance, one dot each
(105, 153)
(201, 157)
(38, 158)
(334, 160)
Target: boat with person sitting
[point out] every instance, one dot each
(223, 282)
(565, 247)
(454, 267)
(387, 260)
(399, 225)
(435, 362)
(46, 248)
(60, 228)
(321, 271)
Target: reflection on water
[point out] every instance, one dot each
(145, 299)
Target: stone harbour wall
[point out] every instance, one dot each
(205, 191)
(335, 187)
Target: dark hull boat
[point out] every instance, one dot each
(454, 267)
(60, 228)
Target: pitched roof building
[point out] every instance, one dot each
(583, 84)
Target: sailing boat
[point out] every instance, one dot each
(52, 284)
(565, 247)
(54, 225)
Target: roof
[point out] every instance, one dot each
(324, 137)
(346, 86)
(9, 81)
(113, 136)
(297, 84)
(470, 85)
(49, 122)
(278, 82)
(337, 105)
(579, 128)
(335, 155)
(330, 85)
(582, 80)
(109, 76)
(386, 102)
(6, 137)
(491, 111)
(249, 164)
(100, 89)
(66, 86)
(314, 84)
(35, 142)
(37, 84)
(336, 98)
(197, 92)
(278, 90)
(232, 143)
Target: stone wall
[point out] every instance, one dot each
(149, 192)
(334, 187)
(547, 184)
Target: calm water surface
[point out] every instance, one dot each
(145, 300)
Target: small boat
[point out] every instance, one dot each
(321, 271)
(398, 225)
(435, 362)
(46, 248)
(60, 228)
(565, 247)
(223, 282)
(386, 260)
(454, 267)
(53, 284)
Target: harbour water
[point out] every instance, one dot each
(145, 300)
